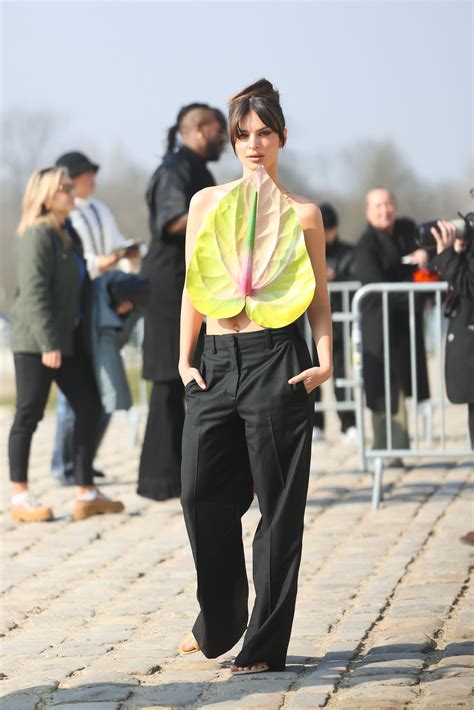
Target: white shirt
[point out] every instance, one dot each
(98, 230)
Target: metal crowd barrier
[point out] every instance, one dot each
(344, 316)
(132, 355)
(350, 315)
(438, 402)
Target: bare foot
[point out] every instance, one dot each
(188, 645)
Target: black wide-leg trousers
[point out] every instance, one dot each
(248, 428)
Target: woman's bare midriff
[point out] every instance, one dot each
(240, 323)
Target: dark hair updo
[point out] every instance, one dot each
(262, 98)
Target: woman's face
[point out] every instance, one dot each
(63, 199)
(257, 144)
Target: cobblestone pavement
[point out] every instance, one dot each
(92, 610)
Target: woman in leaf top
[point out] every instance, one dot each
(254, 253)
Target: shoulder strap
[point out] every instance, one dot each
(97, 248)
(101, 226)
(89, 229)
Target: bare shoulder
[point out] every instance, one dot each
(308, 212)
(208, 197)
(200, 199)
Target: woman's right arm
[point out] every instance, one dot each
(191, 319)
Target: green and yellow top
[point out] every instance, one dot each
(251, 254)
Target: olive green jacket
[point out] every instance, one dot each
(47, 301)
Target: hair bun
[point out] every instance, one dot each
(262, 87)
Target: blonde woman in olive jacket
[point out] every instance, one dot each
(48, 342)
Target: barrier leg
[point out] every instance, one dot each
(427, 412)
(377, 484)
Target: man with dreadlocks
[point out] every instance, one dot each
(202, 135)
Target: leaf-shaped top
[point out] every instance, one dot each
(250, 253)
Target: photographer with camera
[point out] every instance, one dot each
(454, 259)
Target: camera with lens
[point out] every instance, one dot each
(464, 230)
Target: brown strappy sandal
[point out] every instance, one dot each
(254, 668)
(188, 640)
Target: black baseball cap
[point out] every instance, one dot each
(76, 163)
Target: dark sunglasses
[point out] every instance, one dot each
(67, 187)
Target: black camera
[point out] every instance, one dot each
(464, 230)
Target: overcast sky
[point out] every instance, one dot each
(117, 72)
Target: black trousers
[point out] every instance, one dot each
(347, 418)
(33, 382)
(248, 428)
(159, 475)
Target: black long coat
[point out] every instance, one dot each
(458, 270)
(169, 193)
(378, 259)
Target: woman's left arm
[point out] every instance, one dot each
(319, 310)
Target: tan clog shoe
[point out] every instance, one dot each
(30, 511)
(100, 504)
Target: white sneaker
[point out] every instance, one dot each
(350, 436)
(26, 509)
(318, 434)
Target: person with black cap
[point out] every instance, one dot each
(92, 219)
(101, 240)
(339, 264)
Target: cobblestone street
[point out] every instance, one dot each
(92, 611)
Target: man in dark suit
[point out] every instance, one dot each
(378, 258)
(182, 173)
